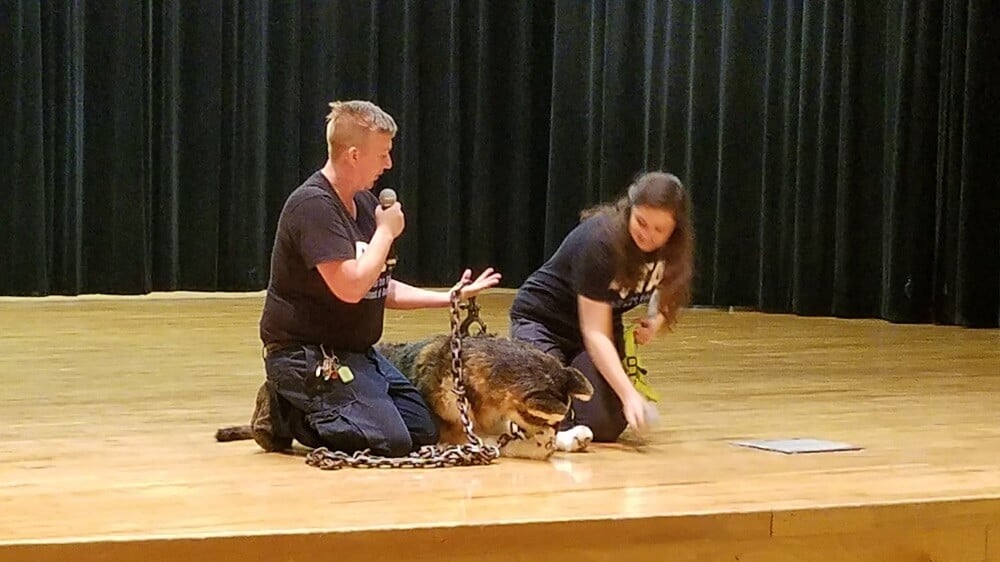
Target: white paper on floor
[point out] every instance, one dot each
(797, 445)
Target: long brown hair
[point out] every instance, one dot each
(662, 191)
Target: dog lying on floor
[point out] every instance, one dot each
(507, 382)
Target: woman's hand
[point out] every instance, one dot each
(647, 328)
(634, 409)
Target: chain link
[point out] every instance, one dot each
(473, 453)
(472, 317)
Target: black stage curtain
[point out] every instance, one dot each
(841, 155)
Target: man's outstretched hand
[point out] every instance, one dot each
(488, 278)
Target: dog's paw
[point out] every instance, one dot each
(575, 439)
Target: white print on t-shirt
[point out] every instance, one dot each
(640, 293)
(381, 287)
(651, 277)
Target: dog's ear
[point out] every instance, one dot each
(576, 385)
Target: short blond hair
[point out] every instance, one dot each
(349, 122)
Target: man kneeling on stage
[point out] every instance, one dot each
(324, 310)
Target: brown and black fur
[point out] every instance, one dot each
(506, 382)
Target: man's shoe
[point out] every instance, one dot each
(261, 427)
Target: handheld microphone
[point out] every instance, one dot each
(387, 198)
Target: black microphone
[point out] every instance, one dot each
(387, 198)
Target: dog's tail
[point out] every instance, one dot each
(233, 433)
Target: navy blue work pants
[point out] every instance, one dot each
(379, 410)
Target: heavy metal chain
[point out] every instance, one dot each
(473, 453)
(471, 318)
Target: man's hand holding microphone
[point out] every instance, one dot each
(389, 215)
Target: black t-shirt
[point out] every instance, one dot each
(582, 265)
(315, 227)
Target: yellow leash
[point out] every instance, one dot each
(635, 371)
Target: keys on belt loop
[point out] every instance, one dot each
(330, 368)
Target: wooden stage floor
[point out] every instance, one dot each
(109, 405)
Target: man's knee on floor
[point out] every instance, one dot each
(425, 435)
(391, 444)
(392, 440)
(338, 432)
(396, 446)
